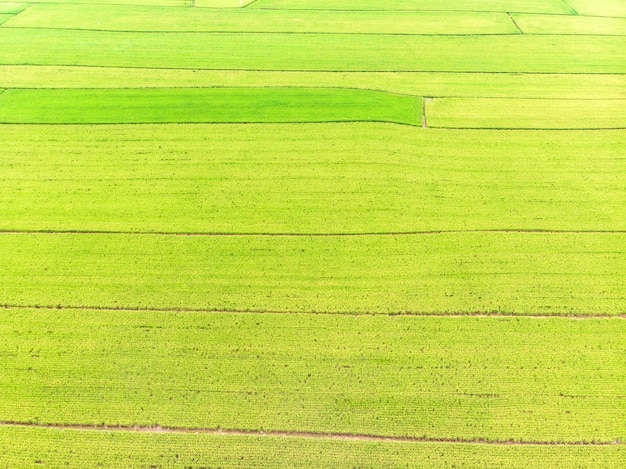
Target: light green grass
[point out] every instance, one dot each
(526, 113)
(511, 53)
(12, 8)
(80, 449)
(545, 6)
(4, 18)
(520, 273)
(504, 85)
(308, 179)
(599, 7)
(136, 18)
(154, 3)
(72, 106)
(553, 24)
(493, 378)
(222, 3)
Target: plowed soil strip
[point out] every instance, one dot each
(304, 434)
(182, 309)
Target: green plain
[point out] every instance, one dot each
(493, 113)
(496, 379)
(517, 273)
(533, 6)
(322, 178)
(314, 52)
(142, 18)
(34, 447)
(74, 106)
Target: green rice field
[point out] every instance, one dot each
(313, 234)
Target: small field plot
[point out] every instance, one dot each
(34, 447)
(518, 273)
(494, 379)
(526, 113)
(547, 6)
(138, 18)
(599, 7)
(553, 24)
(154, 3)
(12, 8)
(71, 106)
(314, 52)
(308, 179)
(469, 85)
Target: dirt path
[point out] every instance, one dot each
(304, 434)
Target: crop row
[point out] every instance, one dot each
(435, 377)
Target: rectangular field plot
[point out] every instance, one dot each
(526, 113)
(470, 85)
(546, 6)
(322, 178)
(113, 449)
(135, 18)
(313, 52)
(616, 8)
(519, 273)
(155, 3)
(72, 106)
(553, 24)
(498, 379)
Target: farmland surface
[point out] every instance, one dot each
(312, 233)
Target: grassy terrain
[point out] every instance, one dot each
(471, 85)
(489, 378)
(135, 18)
(322, 178)
(72, 106)
(34, 447)
(527, 113)
(176, 253)
(341, 52)
(521, 273)
(545, 6)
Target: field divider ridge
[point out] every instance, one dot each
(515, 23)
(574, 12)
(306, 434)
(420, 314)
(304, 235)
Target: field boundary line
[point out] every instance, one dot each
(514, 23)
(306, 434)
(294, 70)
(417, 314)
(286, 234)
(312, 33)
(530, 128)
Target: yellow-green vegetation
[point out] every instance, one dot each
(317, 179)
(466, 272)
(313, 233)
(37, 447)
(524, 379)
(498, 113)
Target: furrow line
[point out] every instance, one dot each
(307, 434)
(515, 23)
(294, 70)
(303, 235)
(476, 314)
